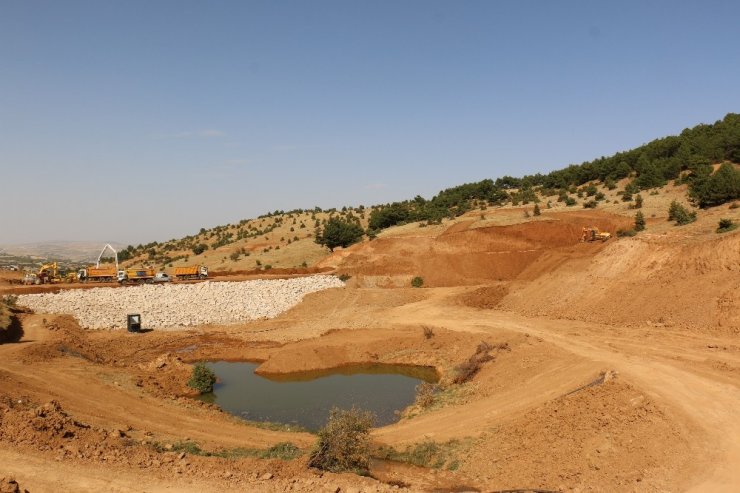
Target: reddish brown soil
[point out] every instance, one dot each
(464, 256)
(659, 313)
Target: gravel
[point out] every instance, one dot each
(180, 305)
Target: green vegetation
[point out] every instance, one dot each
(714, 189)
(639, 221)
(340, 232)
(202, 379)
(678, 213)
(200, 248)
(429, 454)
(638, 201)
(417, 282)
(536, 210)
(344, 443)
(686, 158)
(283, 450)
(726, 225)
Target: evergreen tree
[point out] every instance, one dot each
(340, 232)
(723, 186)
(639, 221)
(638, 201)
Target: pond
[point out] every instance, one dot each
(304, 399)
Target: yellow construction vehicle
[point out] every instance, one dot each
(592, 233)
(48, 273)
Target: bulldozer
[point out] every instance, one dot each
(592, 233)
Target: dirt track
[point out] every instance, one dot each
(668, 421)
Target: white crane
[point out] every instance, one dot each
(108, 247)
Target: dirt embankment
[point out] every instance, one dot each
(658, 280)
(462, 255)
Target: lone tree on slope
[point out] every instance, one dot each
(339, 232)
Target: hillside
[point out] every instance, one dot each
(687, 168)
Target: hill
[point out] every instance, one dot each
(688, 167)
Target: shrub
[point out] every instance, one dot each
(466, 370)
(425, 393)
(344, 443)
(234, 256)
(639, 221)
(202, 379)
(428, 332)
(570, 201)
(537, 211)
(726, 225)
(678, 213)
(626, 232)
(200, 248)
(734, 205)
(590, 204)
(417, 282)
(344, 277)
(638, 201)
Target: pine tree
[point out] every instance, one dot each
(639, 221)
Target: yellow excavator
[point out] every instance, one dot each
(48, 274)
(592, 233)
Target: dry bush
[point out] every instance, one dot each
(428, 332)
(467, 369)
(344, 443)
(425, 394)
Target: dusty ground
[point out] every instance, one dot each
(651, 321)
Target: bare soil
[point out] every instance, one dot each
(616, 367)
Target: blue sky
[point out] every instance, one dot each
(135, 121)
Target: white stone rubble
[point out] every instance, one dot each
(177, 305)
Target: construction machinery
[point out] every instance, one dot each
(100, 274)
(31, 278)
(191, 272)
(48, 273)
(135, 276)
(592, 233)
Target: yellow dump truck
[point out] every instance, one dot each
(191, 272)
(135, 276)
(98, 274)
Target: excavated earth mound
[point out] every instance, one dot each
(462, 255)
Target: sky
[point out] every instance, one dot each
(136, 121)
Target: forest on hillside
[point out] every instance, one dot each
(687, 158)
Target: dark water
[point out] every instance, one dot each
(305, 399)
